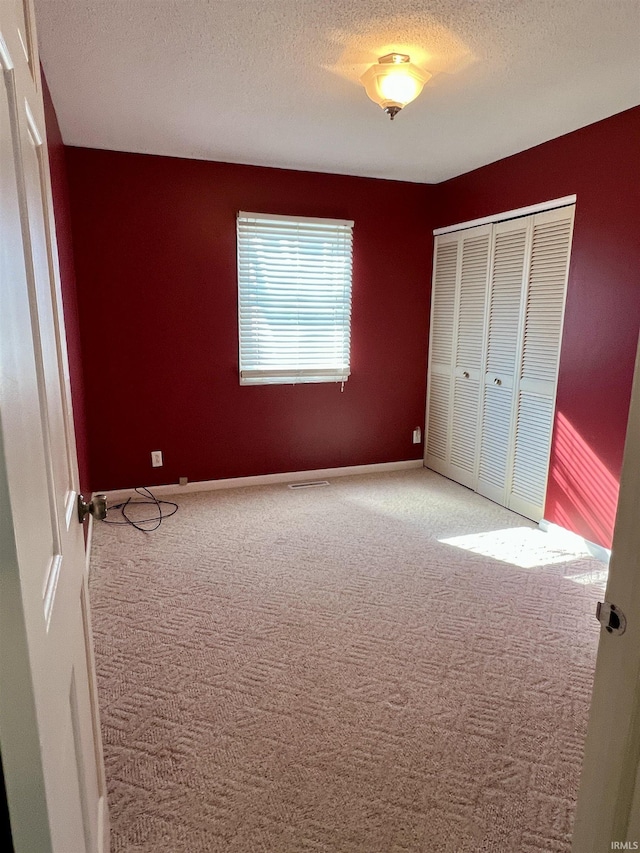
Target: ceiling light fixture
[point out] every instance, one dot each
(394, 82)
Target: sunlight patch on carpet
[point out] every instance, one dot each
(520, 546)
(594, 578)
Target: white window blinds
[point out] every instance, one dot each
(294, 298)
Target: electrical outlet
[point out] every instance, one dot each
(156, 459)
(417, 435)
(183, 481)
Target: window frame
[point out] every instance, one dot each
(343, 233)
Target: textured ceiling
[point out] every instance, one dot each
(275, 82)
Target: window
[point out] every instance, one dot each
(294, 299)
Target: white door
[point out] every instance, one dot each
(609, 799)
(510, 249)
(535, 400)
(461, 266)
(468, 348)
(49, 728)
(443, 298)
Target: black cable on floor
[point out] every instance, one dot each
(156, 520)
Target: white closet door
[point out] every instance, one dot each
(510, 249)
(496, 326)
(468, 352)
(457, 329)
(443, 301)
(537, 380)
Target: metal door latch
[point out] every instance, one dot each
(611, 618)
(97, 507)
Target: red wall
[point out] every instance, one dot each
(155, 250)
(155, 261)
(59, 189)
(598, 163)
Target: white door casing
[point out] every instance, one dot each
(49, 728)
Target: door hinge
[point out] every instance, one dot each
(96, 507)
(611, 618)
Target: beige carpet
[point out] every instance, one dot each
(314, 670)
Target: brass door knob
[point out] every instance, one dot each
(97, 507)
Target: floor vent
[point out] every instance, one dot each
(311, 484)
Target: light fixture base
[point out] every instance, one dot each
(394, 59)
(392, 112)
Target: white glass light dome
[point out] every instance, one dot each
(394, 82)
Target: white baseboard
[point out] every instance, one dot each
(269, 479)
(597, 551)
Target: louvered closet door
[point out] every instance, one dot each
(457, 328)
(443, 302)
(510, 248)
(496, 326)
(537, 379)
(468, 353)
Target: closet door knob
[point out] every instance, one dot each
(497, 381)
(465, 373)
